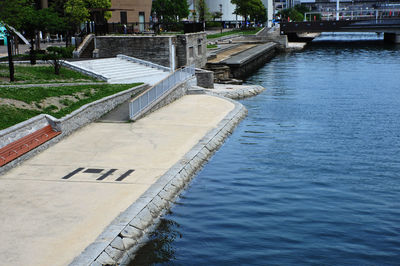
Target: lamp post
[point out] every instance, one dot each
(9, 50)
(337, 9)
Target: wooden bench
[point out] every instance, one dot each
(25, 144)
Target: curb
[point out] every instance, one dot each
(120, 241)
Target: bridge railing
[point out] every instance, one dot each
(353, 14)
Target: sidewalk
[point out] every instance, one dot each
(57, 203)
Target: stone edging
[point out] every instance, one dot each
(120, 241)
(68, 124)
(237, 93)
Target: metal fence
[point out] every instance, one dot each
(137, 105)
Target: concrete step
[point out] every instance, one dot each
(130, 72)
(119, 70)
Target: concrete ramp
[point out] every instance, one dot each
(123, 69)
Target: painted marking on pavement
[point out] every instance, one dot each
(98, 171)
(73, 173)
(107, 174)
(124, 175)
(93, 170)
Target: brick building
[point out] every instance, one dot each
(128, 11)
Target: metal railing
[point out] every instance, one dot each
(140, 103)
(361, 14)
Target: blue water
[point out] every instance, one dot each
(310, 177)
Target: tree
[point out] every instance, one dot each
(9, 17)
(171, 10)
(292, 14)
(202, 10)
(55, 55)
(254, 9)
(33, 21)
(216, 15)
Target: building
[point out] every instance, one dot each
(227, 9)
(130, 11)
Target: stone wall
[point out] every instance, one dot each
(192, 49)
(168, 51)
(241, 71)
(155, 49)
(205, 78)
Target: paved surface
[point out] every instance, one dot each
(249, 53)
(230, 52)
(48, 220)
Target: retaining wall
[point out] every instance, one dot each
(69, 123)
(120, 241)
(168, 51)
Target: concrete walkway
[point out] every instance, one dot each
(57, 203)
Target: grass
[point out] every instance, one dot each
(241, 32)
(41, 74)
(11, 115)
(211, 46)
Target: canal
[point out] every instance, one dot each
(310, 177)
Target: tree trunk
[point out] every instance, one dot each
(38, 40)
(10, 59)
(32, 55)
(57, 67)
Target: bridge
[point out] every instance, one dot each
(383, 21)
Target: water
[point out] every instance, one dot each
(310, 177)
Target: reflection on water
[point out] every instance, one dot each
(310, 176)
(158, 248)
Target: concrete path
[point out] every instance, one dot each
(57, 203)
(229, 53)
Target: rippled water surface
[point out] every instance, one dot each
(311, 176)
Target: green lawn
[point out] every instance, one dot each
(211, 46)
(241, 32)
(27, 74)
(56, 101)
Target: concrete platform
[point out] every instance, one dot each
(57, 203)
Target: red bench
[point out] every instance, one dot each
(25, 144)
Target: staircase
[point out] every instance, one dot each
(123, 70)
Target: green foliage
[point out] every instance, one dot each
(202, 9)
(210, 24)
(254, 9)
(170, 10)
(43, 74)
(79, 11)
(11, 115)
(212, 46)
(292, 14)
(295, 14)
(55, 54)
(76, 11)
(216, 15)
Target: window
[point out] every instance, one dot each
(191, 52)
(124, 18)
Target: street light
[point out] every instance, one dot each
(337, 9)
